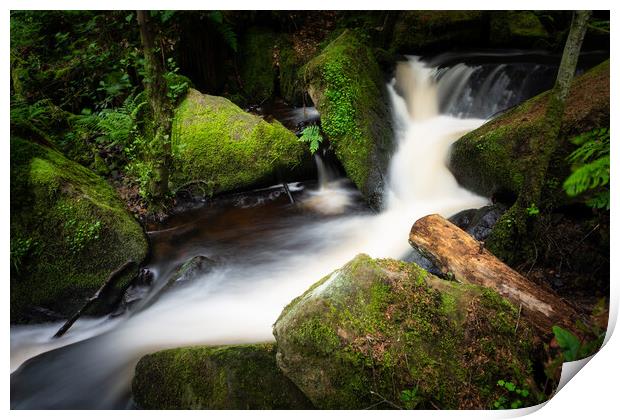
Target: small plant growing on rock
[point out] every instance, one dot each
(513, 396)
(312, 136)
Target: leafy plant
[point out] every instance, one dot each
(591, 168)
(575, 349)
(513, 397)
(312, 136)
(410, 398)
(532, 210)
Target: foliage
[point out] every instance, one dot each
(573, 348)
(312, 136)
(513, 397)
(591, 168)
(532, 210)
(410, 398)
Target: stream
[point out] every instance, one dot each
(267, 251)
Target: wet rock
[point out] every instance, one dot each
(375, 329)
(227, 377)
(479, 222)
(191, 270)
(493, 159)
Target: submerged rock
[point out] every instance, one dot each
(69, 231)
(379, 333)
(227, 377)
(348, 88)
(492, 160)
(214, 141)
(479, 222)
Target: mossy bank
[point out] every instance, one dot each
(228, 377)
(215, 141)
(69, 231)
(493, 159)
(384, 333)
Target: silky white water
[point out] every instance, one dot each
(239, 303)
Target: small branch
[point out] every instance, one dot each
(385, 400)
(518, 317)
(288, 192)
(113, 276)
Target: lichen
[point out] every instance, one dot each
(226, 377)
(215, 141)
(77, 230)
(381, 327)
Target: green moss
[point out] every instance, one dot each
(420, 30)
(215, 141)
(385, 326)
(494, 158)
(78, 231)
(346, 85)
(518, 29)
(228, 377)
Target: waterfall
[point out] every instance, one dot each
(238, 301)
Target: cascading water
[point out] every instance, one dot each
(266, 258)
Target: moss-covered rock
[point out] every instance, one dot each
(215, 141)
(228, 377)
(493, 159)
(348, 88)
(69, 231)
(420, 30)
(518, 29)
(385, 330)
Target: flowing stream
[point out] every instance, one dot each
(269, 251)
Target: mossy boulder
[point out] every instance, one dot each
(379, 333)
(69, 231)
(493, 159)
(422, 30)
(348, 88)
(216, 141)
(518, 29)
(227, 377)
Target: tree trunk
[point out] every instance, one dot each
(509, 239)
(461, 257)
(157, 93)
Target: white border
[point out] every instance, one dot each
(592, 394)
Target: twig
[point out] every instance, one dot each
(290, 196)
(113, 276)
(385, 400)
(518, 317)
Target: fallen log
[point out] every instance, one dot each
(111, 279)
(459, 256)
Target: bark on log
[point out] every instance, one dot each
(459, 255)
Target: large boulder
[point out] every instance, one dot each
(423, 30)
(348, 88)
(518, 29)
(228, 377)
(216, 141)
(69, 231)
(385, 332)
(492, 160)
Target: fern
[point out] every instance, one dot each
(591, 168)
(224, 29)
(312, 136)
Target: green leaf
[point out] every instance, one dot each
(568, 342)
